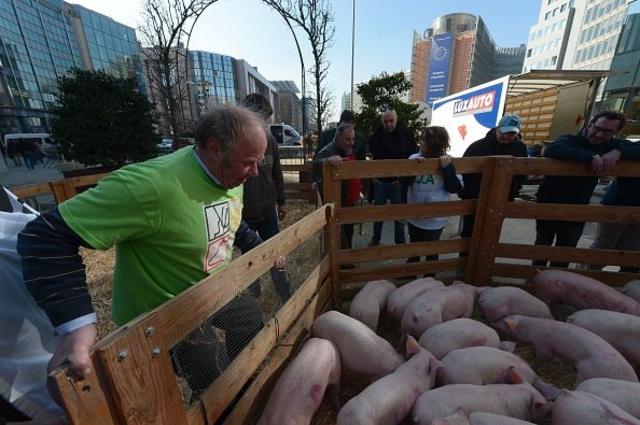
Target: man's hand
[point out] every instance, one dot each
(611, 158)
(282, 212)
(335, 159)
(597, 164)
(74, 348)
(280, 262)
(421, 159)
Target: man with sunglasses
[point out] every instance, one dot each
(595, 144)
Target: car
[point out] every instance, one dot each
(165, 146)
(285, 135)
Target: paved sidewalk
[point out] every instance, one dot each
(17, 176)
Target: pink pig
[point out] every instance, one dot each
(623, 394)
(581, 292)
(389, 400)
(458, 333)
(361, 350)
(301, 387)
(520, 401)
(369, 301)
(592, 356)
(577, 407)
(438, 305)
(479, 418)
(401, 297)
(502, 301)
(632, 289)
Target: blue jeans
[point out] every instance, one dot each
(383, 192)
(266, 228)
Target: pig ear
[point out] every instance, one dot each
(512, 324)
(513, 376)
(412, 346)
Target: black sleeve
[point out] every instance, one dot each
(451, 181)
(628, 150)
(53, 269)
(246, 239)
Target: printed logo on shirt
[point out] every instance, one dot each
(218, 234)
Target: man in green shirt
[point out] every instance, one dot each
(173, 221)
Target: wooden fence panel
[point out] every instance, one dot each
(566, 254)
(331, 193)
(522, 271)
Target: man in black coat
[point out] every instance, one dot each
(502, 140)
(390, 141)
(595, 144)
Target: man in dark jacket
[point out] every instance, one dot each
(341, 149)
(501, 140)
(263, 192)
(390, 141)
(329, 135)
(595, 144)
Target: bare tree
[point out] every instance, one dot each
(315, 18)
(168, 24)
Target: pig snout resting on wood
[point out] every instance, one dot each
(632, 289)
(458, 333)
(438, 305)
(577, 407)
(520, 401)
(369, 302)
(619, 329)
(581, 292)
(389, 400)
(592, 356)
(484, 365)
(624, 394)
(503, 301)
(301, 387)
(401, 297)
(361, 350)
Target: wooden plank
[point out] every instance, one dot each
(85, 180)
(572, 212)
(298, 186)
(209, 295)
(332, 192)
(141, 379)
(30, 190)
(389, 252)
(296, 167)
(254, 397)
(556, 167)
(59, 192)
(86, 401)
(226, 387)
(404, 211)
(401, 167)
(401, 270)
(565, 254)
(485, 238)
(480, 213)
(522, 271)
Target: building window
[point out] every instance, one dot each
(554, 59)
(529, 53)
(563, 7)
(547, 15)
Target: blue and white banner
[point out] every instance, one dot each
(439, 64)
(470, 114)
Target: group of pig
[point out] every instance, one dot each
(477, 378)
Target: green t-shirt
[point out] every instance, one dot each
(170, 223)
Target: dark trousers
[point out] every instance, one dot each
(383, 192)
(267, 227)
(201, 357)
(346, 236)
(565, 233)
(417, 234)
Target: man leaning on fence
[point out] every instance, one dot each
(173, 221)
(596, 145)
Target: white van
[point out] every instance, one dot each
(285, 135)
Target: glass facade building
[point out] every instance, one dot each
(40, 40)
(213, 80)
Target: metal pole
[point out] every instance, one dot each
(353, 37)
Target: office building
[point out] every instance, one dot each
(455, 53)
(289, 104)
(575, 34)
(212, 80)
(622, 90)
(251, 81)
(40, 40)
